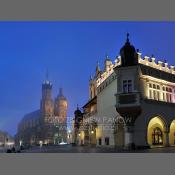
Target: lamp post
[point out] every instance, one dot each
(41, 143)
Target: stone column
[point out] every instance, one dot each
(129, 138)
(167, 138)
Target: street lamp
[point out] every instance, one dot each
(41, 143)
(92, 132)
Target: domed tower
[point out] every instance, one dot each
(77, 122)
(60, 110)
(128, 54)
(61, 105)
(46, 105)
(78, 117)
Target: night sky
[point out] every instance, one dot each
(69, 50)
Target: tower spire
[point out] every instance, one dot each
(90, 78)
(97, 68)
(47, 74)
(61, 92)
(46, 81)
(127, 38)
(106, 56)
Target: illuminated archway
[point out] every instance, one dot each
(172, 133)
(156, 132)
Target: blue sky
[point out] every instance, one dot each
(69, 50)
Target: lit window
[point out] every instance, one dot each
(158, 96)
(167, 97)
(163, 97)
(170, 97)
(154, 95)
(150, 94)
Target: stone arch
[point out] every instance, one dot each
(172, 133)
(156, 131)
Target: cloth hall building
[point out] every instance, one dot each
(131, 103)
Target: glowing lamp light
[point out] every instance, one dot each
(92, 132)
(41, 143)
(20, 142)
(10, 143)
(63, 143)
(79, 134)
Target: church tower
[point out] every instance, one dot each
(46, 101)
(60, 110)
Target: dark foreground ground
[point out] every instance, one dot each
(86, 149)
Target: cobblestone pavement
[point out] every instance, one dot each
(87, 149)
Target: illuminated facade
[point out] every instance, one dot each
(48, 125)
(131, 103)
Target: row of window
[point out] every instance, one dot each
(106, 83)
(154, 91)
(154, 86)
(154, 94)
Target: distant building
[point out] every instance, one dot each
(48, 125)
(131, 103)
(6, 140)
